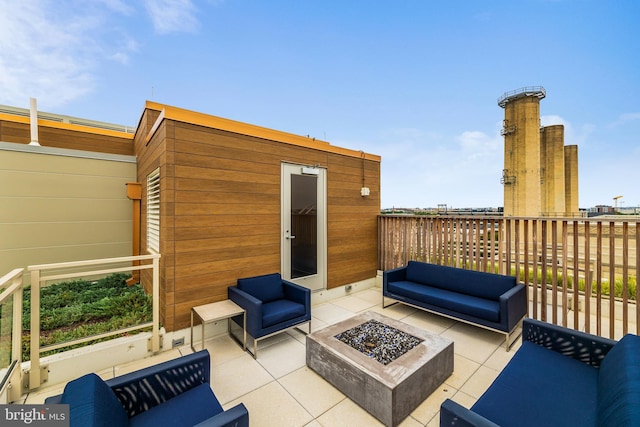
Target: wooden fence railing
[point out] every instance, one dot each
(550, 255)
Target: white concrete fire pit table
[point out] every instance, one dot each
(388, 387)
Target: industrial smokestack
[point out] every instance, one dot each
(34, 122)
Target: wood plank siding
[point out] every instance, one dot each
(220, 204)
(16, 129)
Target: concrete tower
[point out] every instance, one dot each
(521, 131)
(571, 180)
(540, 174)
(553, 170)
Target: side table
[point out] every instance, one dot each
(210, 313)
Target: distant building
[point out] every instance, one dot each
(611, 210)
(441, 211)
(601, 209)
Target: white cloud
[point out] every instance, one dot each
(170, 16)
(50, 50)
(54, 51)
(476, 144)
(42, 54)
(124, 49)
(397, 142)
(424, 169)
(119, 6)
(572, 136)
(625, 118)
(552, 120)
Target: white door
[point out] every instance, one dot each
(304, 219)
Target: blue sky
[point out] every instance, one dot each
(415, 81)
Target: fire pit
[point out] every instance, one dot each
(379, 341)
(384, 365)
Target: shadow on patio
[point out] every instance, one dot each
(278, 388)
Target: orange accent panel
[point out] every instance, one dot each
(193, 117)
(134, 192)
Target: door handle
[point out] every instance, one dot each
(289, 236)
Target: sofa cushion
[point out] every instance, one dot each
(461, 303)
(92, 403)
(280, 311)
(422, 272)
(266, 288)
(619, 384)
(186, 409)
(470, 282)
(540, 387)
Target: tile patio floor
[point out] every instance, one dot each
(279, 390)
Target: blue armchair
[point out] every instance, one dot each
(175, 393)
(272, 305)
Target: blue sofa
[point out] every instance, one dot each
(492, 301)
(174, 393)
(559, 377)
(272, 305)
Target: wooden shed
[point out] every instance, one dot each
(223, 199)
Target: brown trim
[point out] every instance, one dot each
(155, 127)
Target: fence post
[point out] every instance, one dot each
(16, 342)
(34, 371)
(155, 335)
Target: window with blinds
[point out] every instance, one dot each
(153, 211)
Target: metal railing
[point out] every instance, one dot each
(579, 273)
(537, 91)
(41, 274)
(11, 286)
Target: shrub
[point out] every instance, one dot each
(80, 308)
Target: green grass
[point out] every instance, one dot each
(605, 288)
(80, 308)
